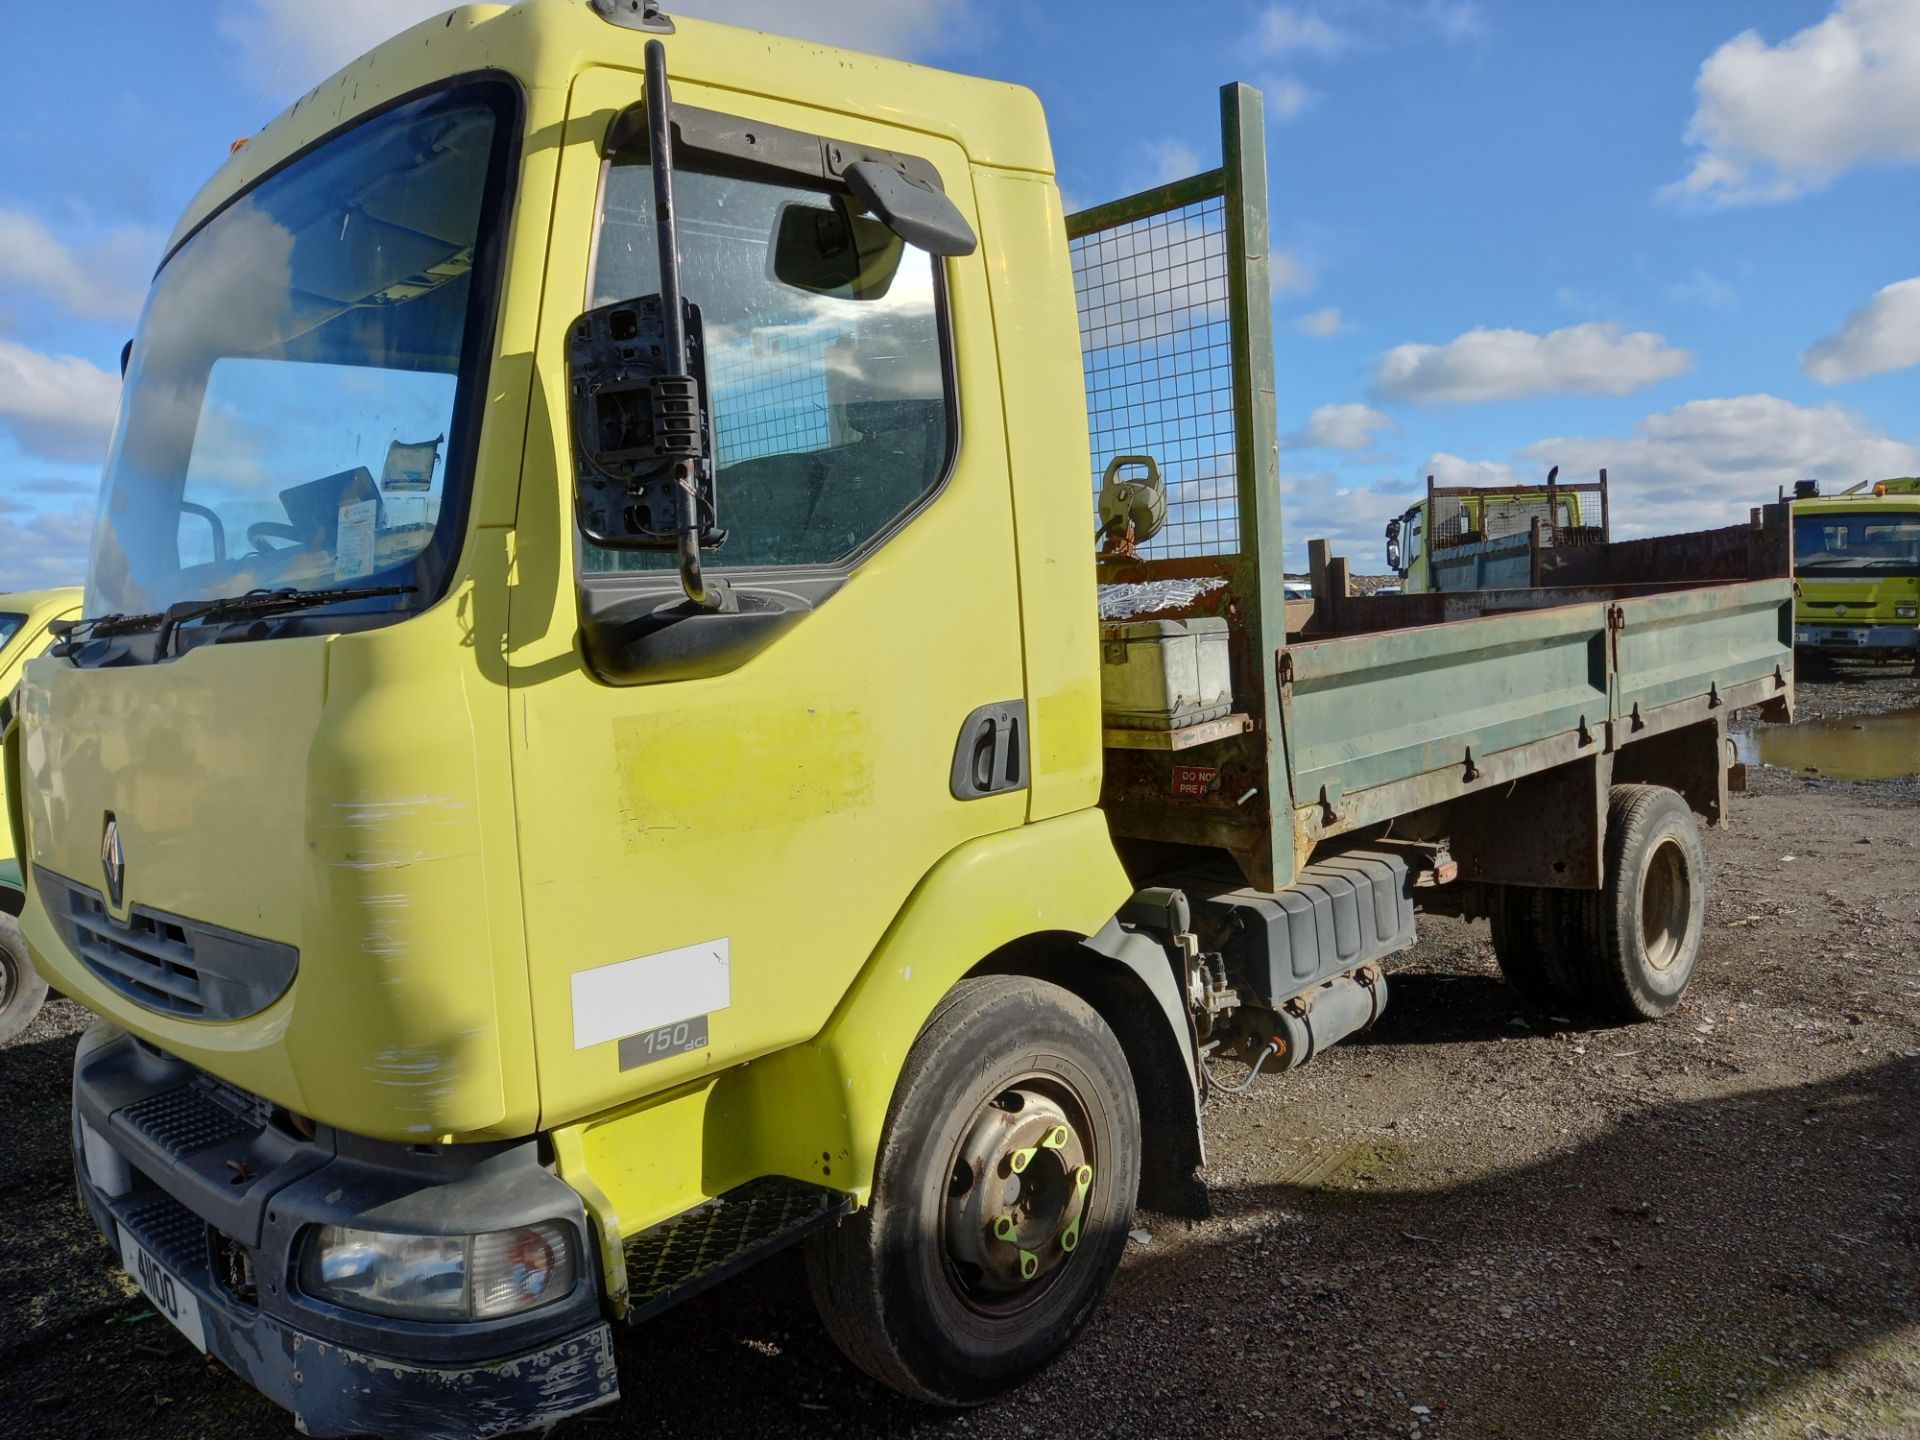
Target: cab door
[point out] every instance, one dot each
(712, 846)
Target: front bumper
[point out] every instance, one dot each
(221, 1193)
(1857, 639)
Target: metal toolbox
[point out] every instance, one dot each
(1163, 674)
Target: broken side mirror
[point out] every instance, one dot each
(829, 250)
(639, 415)
(911, 208)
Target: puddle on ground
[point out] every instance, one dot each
(1848, 747)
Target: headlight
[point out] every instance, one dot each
(1906, 612)
(440, 1277)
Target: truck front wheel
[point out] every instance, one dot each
(1001, 1201)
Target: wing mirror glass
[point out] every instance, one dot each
(829, 250)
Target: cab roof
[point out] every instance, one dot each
(1903, 493)
(26, 602)
(544, 44)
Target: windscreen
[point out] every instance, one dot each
(292, 414)
(1857, 544)
(9, 627)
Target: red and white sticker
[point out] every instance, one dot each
(1191, 782)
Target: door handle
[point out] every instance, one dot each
(991, 755)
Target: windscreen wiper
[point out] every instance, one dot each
(258, 603)
(75, 632)
(261, 602)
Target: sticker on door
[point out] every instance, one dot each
(611, 1002)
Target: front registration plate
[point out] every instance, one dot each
(169, 1296)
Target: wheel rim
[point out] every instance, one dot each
(1019, 1192)
(1666, 903)
(9, 981)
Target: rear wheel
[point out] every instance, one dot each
(22, 991)
(1643, 929)
(1530, 940)
(1001, 1201)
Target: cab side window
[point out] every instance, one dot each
(827, 377)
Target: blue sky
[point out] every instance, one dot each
(1675, 240)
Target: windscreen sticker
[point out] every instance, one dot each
(633, 997)
(401, 512)
(353, 547)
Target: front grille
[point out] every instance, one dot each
(143, 958)
(166, 962)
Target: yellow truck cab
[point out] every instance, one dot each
(24, 618)
(1857, 557)
(605, 738)
(1465, 537)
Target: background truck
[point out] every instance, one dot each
(723, 800)
(1857, 556)
(1465, 537)
(24, 618)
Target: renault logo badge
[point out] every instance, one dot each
(113, 860)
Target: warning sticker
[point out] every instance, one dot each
(1190, 782)
(353, 545)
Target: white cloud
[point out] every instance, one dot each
(1285, 30)
(1321, 324)
(1340, 427)
(1353, 514)
(1169, 160)
(1772, 121)
(43, 547)
(1447, 469)
(1454, 19)
(1285, 98)
(57, 406)
(1883, 334)
(1705, 463)
(102, 280)
(1703, 288)
(1589, 359)
(291, 45)
(1288, 273)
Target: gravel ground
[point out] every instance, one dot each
(1477, 1221)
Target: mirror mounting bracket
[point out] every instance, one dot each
(642, 433)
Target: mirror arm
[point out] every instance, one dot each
(674, 318)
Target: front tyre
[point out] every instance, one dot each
(1001, 1200)
(22, 991)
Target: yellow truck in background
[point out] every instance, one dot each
(1490, 537)
(664, 763)
(24, 618)
(1857, 556)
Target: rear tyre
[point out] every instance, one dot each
(1002, 1196)
(1643, 928)
(22, 991)
(1529, 941)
